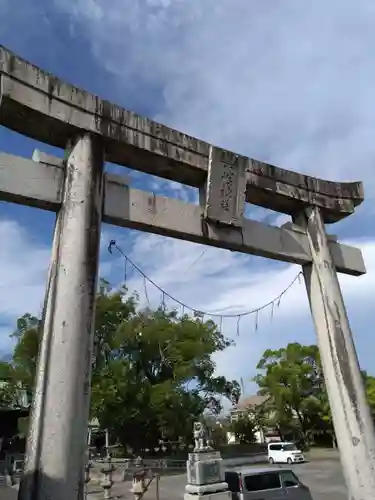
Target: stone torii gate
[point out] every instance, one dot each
(91, 131)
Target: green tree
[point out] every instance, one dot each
(243, 428)
(291, 376)
(369, 382)
(320, 416)
(218, 435)
(152, 374)
(25, 353)
(267, 417)
(217, 427)
(18, 373)
(7, 385)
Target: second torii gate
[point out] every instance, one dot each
(91, 130)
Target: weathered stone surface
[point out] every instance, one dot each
(207, 455)
(41, 184)
(222, 495)
(352, 418)
(29, 183)
(206, 489)
(225, 188)
(56, 449)
(205, 473)
(38, 104)
(204, 470)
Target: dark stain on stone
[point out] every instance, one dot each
(340, 347)
(12, 63)
(343, 361)
(105, 117)
(94, 223)
(151, 201)
(153, 144)
(332, 347)
(204, 226)
(52, 84)
(313, 230)
(355, 441)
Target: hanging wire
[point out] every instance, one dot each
(145, 287)
(238, 326)
(126, 271)
(195, 312)
(196, 260)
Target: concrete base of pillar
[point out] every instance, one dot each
(9, 480)
(206, 489)
(222, 495)
(205, 476)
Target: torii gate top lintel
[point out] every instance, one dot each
(41, 106)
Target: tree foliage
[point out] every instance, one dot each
(370, 390)
(293, 378)
(217, 429)
(17, 374)
(243, 427)
(153, 372)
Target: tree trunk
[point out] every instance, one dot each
(279, 431)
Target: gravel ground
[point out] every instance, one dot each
(323, 475)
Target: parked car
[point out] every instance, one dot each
(266, 484)
(284, 452)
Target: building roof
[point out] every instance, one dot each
(250, 402)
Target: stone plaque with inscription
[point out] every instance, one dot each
(225, 188)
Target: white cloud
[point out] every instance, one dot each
(290, 82)
(244, 283)
(209, 282)
(23, 268)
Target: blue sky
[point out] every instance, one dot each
(288, 82)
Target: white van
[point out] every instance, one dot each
(284, 452)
